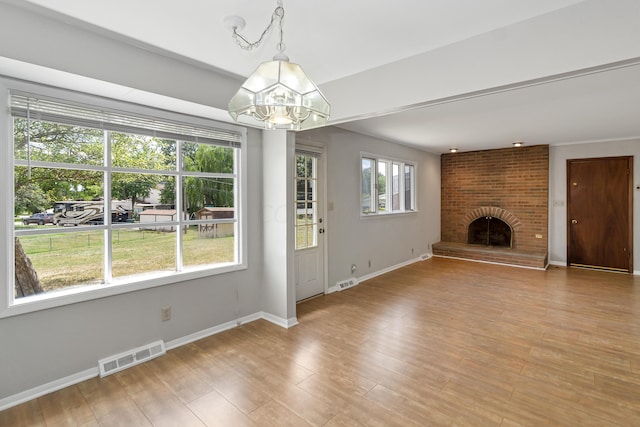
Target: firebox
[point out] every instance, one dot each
(489, 231)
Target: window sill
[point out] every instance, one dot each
(387, 214)
(64, 297)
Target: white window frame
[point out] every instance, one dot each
(389, 162)
(10, 306)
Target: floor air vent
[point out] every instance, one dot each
(346, 284)
(136, 356)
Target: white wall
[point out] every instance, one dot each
(386, 240)
(558, 156)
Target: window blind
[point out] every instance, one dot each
(310, 153)
(37, 107)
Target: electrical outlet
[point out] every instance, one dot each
(353, 268)
(165, 313)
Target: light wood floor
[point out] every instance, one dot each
(440, 342)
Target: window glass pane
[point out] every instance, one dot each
(301, 237)
(310, 166)
(151, 248)
(306, 235)
(307, 218)
(395, 187)
(136, 196)
(61, 260)
(54, 142)
(382, 186)
(208, 244)
(207, 158)
(366, 192)
(142, 152)
(162, 196)
(52, 190)
(302, 219)
(311, 190)
(301, 188)
(306, 202)
(39, 190)
(408, 188)
(199, 193)
(312, 225)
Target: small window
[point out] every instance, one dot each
(307, 219)
(387, 186)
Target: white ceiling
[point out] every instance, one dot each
(337, 39)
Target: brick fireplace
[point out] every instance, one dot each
(510, 185)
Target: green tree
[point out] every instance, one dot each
(54, 142)
(201, 192)
(136, 152)
(30, 198)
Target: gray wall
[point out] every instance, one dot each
(44, 346)
(385, 240)
(48, 345)
(40, 40)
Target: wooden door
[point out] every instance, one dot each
(599, 213)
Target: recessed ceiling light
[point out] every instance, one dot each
(518, 144)
(453, 150)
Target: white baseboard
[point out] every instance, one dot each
(564, 264)
(284, 323)
(70, 380)
(211, 331)
(494, 263)
(47, 388)
(360, 279)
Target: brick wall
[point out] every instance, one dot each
(515, 180)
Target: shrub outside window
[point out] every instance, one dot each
(387, 186)
(132, 197)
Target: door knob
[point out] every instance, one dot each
(574, 221)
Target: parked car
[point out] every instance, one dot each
(39, 218)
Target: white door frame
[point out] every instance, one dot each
(320, 152)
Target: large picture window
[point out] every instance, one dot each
(387, 186)
(106, 197)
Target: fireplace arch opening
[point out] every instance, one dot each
(489, 231)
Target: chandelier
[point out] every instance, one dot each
(278, 95)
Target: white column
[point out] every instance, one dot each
(278, 287)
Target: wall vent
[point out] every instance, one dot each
(346, 284)
(136, 356)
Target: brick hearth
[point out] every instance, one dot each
(491, 254)
(511, 184)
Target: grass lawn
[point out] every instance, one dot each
(71, 259)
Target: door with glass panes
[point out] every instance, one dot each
(309, 225)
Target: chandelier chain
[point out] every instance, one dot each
(278, 14)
